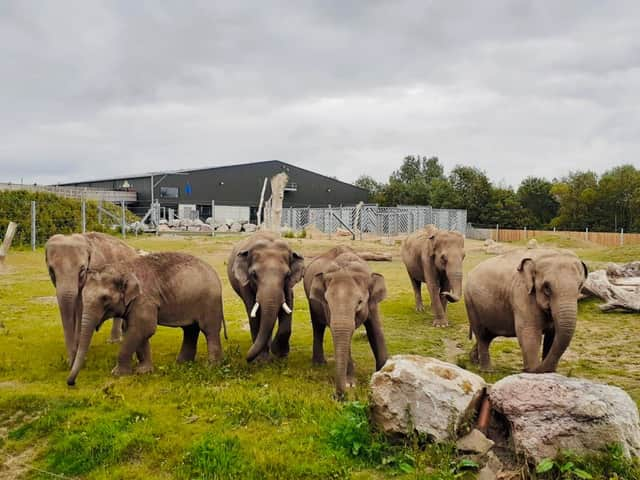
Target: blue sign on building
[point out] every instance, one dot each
(187, 189)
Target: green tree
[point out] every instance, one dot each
(577, 197)
(534, 194)
(617, 194)
(370, 184)
(473, 188)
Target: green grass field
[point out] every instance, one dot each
(274, 420)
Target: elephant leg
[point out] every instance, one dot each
(143, 353)
(529, 339)
(474, 356)
(439, 314)
(417, 293)
(483, 342)
(280, 345)
(211, 329)
(189, 347)
(549, 336)
(376, 340)
(141, 326)
(116, 331)
(319, 326)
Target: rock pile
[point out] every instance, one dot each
(197, 225)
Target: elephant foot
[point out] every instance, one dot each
(280, 352)
(119, 371)
(114, 340)
(419, 308)
(351, 382)
(473, 356)
(142, 368)
(319, 361)
(440, 323)
(340, 396)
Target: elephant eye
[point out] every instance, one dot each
(546, 289)
(254, 275)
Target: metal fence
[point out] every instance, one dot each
(373, 219)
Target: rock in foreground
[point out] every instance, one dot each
(434, 396)
(549, 412)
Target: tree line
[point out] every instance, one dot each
(579, 200)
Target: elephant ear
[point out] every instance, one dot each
(317, 289)
(377, 288)
(241, 267)
(297, 269)
(586, 270)
(129, 287)
(528, 269)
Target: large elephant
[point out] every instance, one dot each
(170, 289)
(343, 293)
(434, 257)
(263, 271)
(68, 259)
(525, 294)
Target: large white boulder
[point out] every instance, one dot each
(222, 228)
(548, 412)
(249, 227)
(235, 227)
(433, 396)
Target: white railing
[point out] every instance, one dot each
(114, 196)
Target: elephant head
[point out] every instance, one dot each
(347, 295)
(107, 293)
(270, 269)
(68, 259)
(554, 283)
(446, 252)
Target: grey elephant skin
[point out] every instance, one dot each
(170, 289)
(526, 294)
(263, 270)
(343, 294)
(434, 257)
(68, 259)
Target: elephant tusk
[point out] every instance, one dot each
(254, 310)
(286, 308)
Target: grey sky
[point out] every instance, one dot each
(92, 89)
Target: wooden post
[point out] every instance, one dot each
(621, 236)
(33, 225)
(278, 184)
(124, 220)
(213, 218)
(83, 209)
(6, 242)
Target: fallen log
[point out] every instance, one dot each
(615, 296)
(6, 243)
(375, 257)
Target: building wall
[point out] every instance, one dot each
(241, 185)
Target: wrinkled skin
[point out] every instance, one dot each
(526, 294)
(435, 257)
(170, 289)
(343, 294)
(263, 269)
(68, 259)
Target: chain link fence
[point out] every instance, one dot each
(373, 219)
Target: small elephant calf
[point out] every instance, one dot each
(343, 294)
(171, 289)
(526, 294)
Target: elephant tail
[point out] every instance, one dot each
(470, 332)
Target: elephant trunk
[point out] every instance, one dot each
(270, 304)
(342, 329)
(454, 284)
(68, 302)
(87, 326)
(564, 316)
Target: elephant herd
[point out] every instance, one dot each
(528, 294)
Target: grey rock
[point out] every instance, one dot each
(435, 397)
(474, 442)
(249, 227)
(486, 474)
(235, 227)
(549, 412)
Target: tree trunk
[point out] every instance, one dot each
(278, 183)
(619, 292)
(6, 243)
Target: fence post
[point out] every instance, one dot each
(213, 218)
(83, 207)
(330, 221)
(497, 232)
(621, 236)
(586, 233)
(100, 211)
(33, 225)
(123, 220)
(525, 232)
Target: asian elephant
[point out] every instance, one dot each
(263, 271)
(343, 294)
(68, 259)
(434, 257)
(525, 294)
(170, 289)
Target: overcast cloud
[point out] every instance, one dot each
(91, 89)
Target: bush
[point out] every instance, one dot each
(53, 215)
